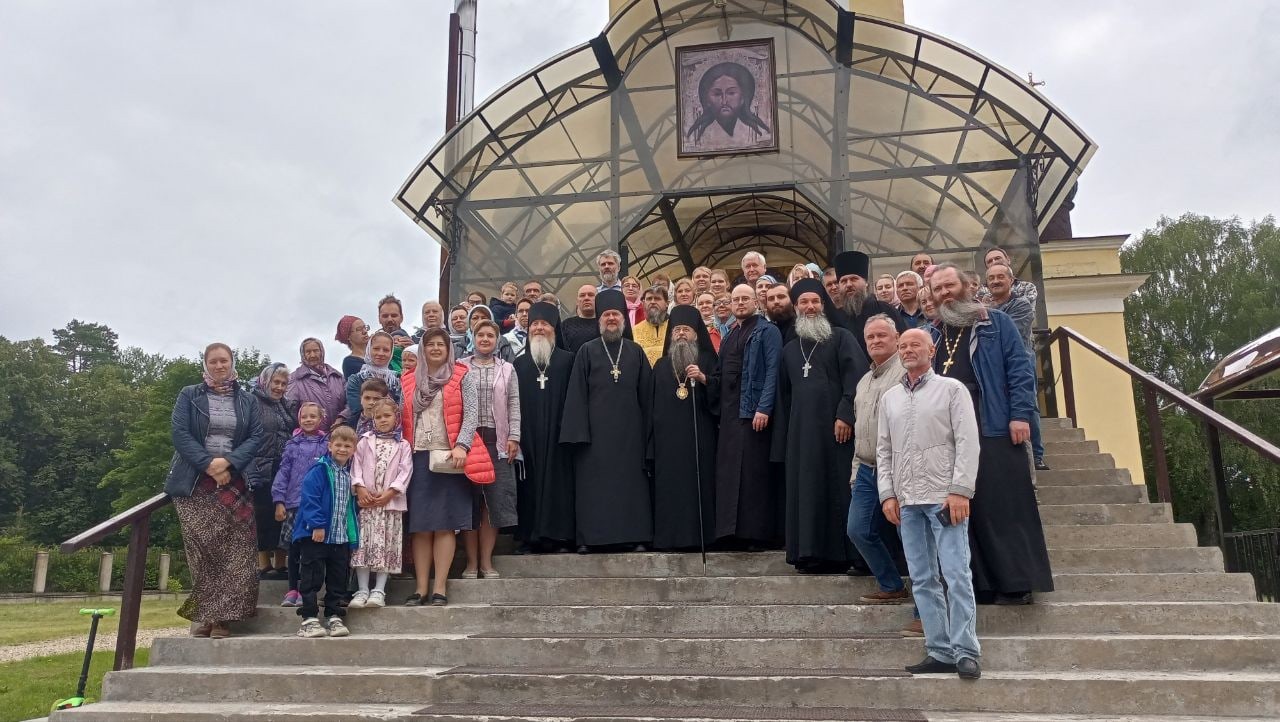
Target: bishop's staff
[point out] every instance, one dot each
(697, 469)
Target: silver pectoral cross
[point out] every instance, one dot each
(616, 373)
(542, 381)
(806, 368)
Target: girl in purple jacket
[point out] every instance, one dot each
(301, 452)
(379, 477)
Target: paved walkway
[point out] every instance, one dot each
(27, 650)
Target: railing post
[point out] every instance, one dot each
(1068, 383)
(104, 573)
(41, 576)
(135, 568)
(1155, 427)
(1221, 491)
(162, 577)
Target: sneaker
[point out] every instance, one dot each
(914, 629)
(377, 598)
(292, 599)
(491, 574)
(337, 628)
(470, 574)
(902, 596)
(358, 600)
(311, 629)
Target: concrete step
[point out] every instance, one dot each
(1051, 434)
(1039, 652)
(1088, 692)
(1070, 446)
(1081, 494)
(1079, 461)
(1055, 422)
(1120, 617)
(737, 564)
(793, 589)
(1085, 477)
(1094, 514)
(1121, 536)
(277, 712)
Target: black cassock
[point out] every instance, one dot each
(545, 494)
(870, 307)
(607, 421)
(671, 446)
(817, 467)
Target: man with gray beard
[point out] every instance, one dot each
(982, 349)
(682, 444)
(817, 379)
(544, 496)
(856, 305)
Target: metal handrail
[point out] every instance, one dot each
(135, 566)
(1152, 387)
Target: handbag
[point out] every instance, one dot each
(441, 462)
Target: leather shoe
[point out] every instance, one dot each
(967, 668)
(1013, 600)
(929, 665)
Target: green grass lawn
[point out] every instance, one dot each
(52, 620)
(28, 688)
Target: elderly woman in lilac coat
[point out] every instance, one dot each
(318, 382)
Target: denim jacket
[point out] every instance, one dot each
(1006, 378)
(759, 386)
(190, 426)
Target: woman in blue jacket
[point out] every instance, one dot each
(216, 433)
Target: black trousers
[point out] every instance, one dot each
(327, 565)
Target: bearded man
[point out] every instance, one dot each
(856, 305)
(651, 332)
(780, 311)
(545, 495)
(817, 380)
(606, 417)
(685, 397)
(981, 348)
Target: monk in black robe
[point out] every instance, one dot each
(682, 439)
(606, 417)
(856, 305)
(817, 380)
(749, 494)
(545, 493)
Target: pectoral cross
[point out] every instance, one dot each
(542, 381)
(946, 366)
(615, 373)
(806, 368)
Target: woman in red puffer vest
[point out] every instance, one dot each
(441, 503)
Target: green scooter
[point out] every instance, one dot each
(78, 700)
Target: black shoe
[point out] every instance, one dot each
(266, 573)
(967, 668)
(583, 549)
(1013, 600)
(524, 549)
(439, 600)
(1040, 465)
(929, 665)
(641, 548)
(414, 600)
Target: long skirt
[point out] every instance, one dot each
(440, 502)
(500, 496)
(381, 540)
(220, 540)
(1006, 540)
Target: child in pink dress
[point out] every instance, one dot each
(379, 477)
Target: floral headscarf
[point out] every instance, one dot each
(227, 386)
(429, 384)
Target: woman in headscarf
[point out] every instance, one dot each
(317, 382)
(354, 334)
(467, 347)
(798, 272)
(215, 434)
(381, 347)
(278, 417)
(445, 410)
(635, 304)
(886, 289)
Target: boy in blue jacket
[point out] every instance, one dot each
(325, 532)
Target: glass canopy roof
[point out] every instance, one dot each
(891, 140)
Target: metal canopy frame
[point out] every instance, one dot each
(893, 140)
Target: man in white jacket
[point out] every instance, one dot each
(927, 464)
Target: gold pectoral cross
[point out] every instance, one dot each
(616, 373)
(946, 366)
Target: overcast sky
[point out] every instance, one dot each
(186, 171)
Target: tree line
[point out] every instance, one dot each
(84, 424)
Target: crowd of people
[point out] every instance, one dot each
(866, 425)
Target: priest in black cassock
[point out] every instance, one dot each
(817, 379)
(682, 438)
(545, 493)
(606, 418)
(856, 305)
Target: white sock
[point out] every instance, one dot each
(362, 578)
(381, 583)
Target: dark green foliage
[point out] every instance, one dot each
(1214, 286)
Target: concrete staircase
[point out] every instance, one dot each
(1144, 625)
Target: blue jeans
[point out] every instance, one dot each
(863, 530)
(1037, 445)
(951, 618)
